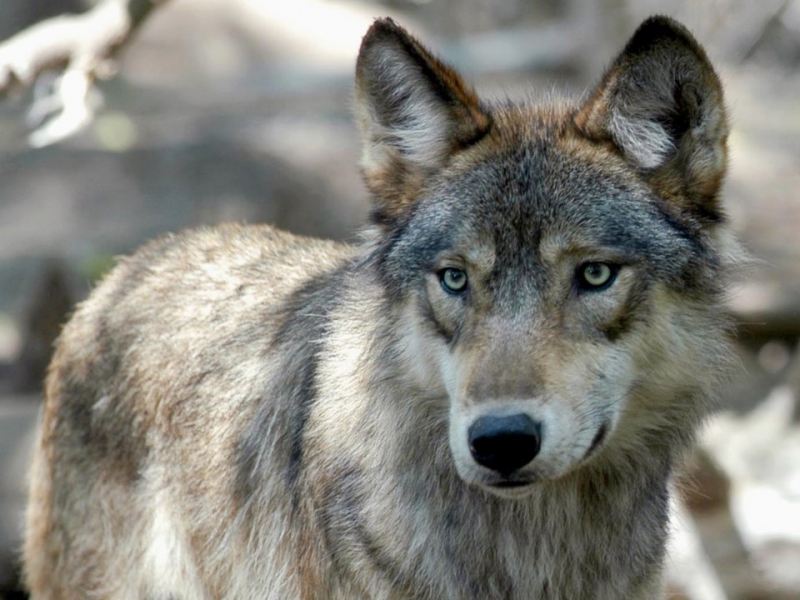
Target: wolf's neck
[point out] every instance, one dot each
(415, 516)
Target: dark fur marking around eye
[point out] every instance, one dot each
(629, 313)
(430, 316)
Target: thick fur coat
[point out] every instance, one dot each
(483, 399)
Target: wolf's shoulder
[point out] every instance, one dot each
(223, 279)
(236, 245)
(231, 254)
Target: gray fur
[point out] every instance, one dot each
(241, 413)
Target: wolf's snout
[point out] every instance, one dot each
(504, 444)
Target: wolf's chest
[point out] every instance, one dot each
(476, 547)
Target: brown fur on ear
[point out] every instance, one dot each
(660, 104)
(413, 113)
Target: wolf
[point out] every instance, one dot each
(484, 398)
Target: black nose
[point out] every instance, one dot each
(505, 444)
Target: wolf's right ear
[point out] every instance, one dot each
(413, 111)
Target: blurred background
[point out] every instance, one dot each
(240, 110)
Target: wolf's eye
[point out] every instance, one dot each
(453, 280)
(596, 276)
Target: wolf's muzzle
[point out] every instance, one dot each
(504, 444)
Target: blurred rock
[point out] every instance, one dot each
(47, 308)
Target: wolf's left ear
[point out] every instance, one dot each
(660, 104)
(413, 111)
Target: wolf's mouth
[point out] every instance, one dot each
(511, 484)
(512, 490)
(599, 438)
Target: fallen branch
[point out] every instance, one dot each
(82, 48)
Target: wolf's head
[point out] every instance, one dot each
(558, 267)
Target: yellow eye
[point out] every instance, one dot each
(453, 281)
(596, 276)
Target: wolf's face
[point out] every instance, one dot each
(559, 265)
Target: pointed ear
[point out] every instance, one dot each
(414, 112)
(661, 105)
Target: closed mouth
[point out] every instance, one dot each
(511, 484)
(511, 489)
